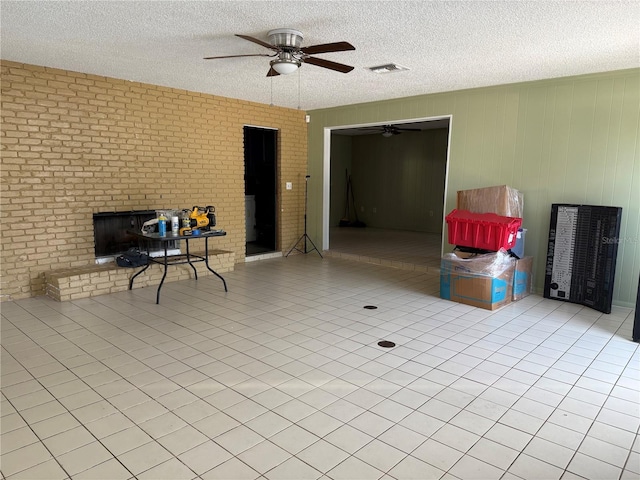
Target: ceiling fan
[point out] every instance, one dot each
(289, 55)
(391, 130)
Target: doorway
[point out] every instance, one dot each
(260, 153)
(400, 181)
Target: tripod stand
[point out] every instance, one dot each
(304, 236)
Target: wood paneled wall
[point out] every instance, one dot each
(573, 140)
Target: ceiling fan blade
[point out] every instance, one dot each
(320, 62)
(235, 56)
(255, 40)
(272, 72)
(327, 47)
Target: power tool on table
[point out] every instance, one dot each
(198, 218)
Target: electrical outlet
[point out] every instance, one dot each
(431, 213)
(375, 210)
(361, 208)
(289, 186)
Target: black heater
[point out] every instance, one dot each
(581, 254)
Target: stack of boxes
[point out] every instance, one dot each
(490, 269)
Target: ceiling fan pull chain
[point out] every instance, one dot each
(271, 104)
(298, 89)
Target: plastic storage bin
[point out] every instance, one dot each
(518, 248)
(486, 231)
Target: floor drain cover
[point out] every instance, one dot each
(370, 307)
(386, 344)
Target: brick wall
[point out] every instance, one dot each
(74, 144)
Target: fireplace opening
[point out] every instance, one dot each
(112, 239)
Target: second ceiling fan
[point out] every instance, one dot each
(289, 55)
(391, 130)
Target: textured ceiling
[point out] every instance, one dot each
(447, 45)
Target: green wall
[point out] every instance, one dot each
(568, 140)
(398, 182)
(402, 178)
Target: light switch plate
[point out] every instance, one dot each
(289, 185)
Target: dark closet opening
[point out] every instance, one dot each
(260, 147)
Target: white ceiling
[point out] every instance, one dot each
(447, 45)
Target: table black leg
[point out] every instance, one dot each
(163, 275)
(195, 272)
(138, 273)
(143, 270)
(206, 262)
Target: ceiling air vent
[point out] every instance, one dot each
(388, 68)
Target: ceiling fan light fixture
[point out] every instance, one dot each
(387, 134)
(289, 53)
(284, 66)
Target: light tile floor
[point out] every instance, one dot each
(398, 248)
(282, 378)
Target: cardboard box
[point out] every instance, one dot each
(502, 200)
(522, 278)
(484, 281)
